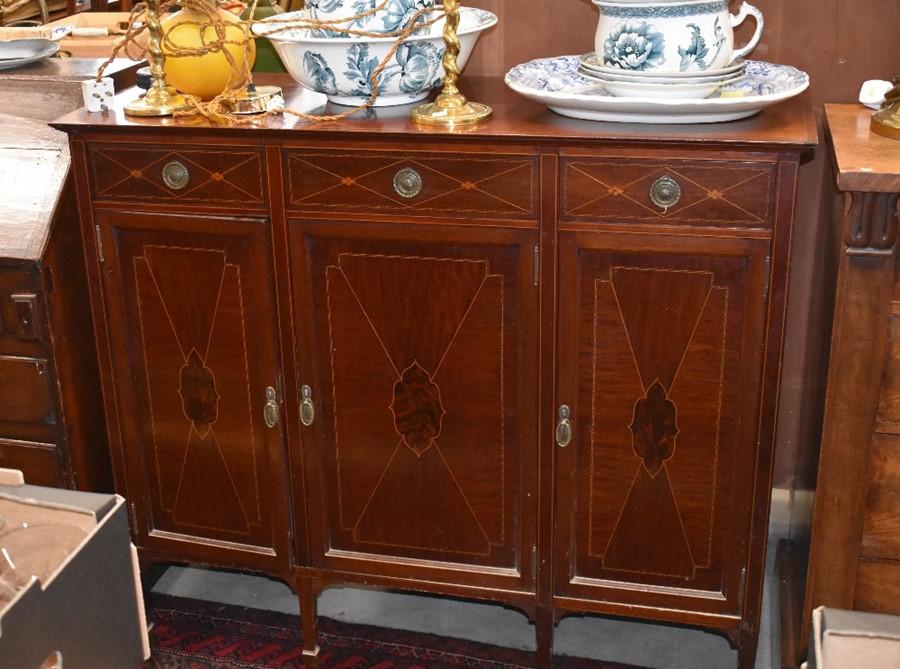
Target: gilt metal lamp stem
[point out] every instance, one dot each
(450, 107)
(160, 99)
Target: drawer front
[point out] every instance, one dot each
(22, 321)
(702, 193)
(160, 174)
(39, 462)
(29, 398)
(378, 182)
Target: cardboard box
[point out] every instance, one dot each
(853, 639)
(99, 46)
(88, 613)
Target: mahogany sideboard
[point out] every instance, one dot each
(854, 560)
(477, 362)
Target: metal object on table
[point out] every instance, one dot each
(160, 99)
(451, 107)
(886, 121)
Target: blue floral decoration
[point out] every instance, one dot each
(360, 69)
(634, 46)
(418, 63)
(316, 70)
(694, 55)
(398, 13)
(324, 5)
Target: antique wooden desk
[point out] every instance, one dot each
(854, 560)
(51, 414)
(354, 352)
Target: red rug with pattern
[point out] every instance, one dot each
(191, 634)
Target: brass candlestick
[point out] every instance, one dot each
(886, 121)
(450, 107)
(160, 99)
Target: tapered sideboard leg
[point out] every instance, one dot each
(543, 629)
(308, 594)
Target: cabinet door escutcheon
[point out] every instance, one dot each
(270, 412)
(307, 408)
(563, 427)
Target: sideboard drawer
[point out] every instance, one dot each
(207, 175)
(492, 185)
(701, 193)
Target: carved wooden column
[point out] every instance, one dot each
(868, 172)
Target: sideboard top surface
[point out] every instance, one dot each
(864, 161)
(788, 124)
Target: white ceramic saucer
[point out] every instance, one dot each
(591, 62)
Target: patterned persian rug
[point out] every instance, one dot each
(192, 634)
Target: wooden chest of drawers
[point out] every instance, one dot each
(51, 415)
(535, 361)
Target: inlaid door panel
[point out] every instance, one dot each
(422, 358)
(660, 364)
(194, 349)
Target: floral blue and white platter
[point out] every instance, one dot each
(556, 83)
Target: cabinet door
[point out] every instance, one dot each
(193, 349)
(420, 353)
(660, 361)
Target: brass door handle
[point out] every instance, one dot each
(563, 427)
(307, 408)
(270, 411)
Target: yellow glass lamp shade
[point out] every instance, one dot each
(204, 74)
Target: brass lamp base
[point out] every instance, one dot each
(886, 122)
(159, 101)
(452, 109)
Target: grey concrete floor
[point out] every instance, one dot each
(650, 645)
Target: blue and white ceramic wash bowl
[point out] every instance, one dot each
(343, 67)
(661, 36)
(371, 16)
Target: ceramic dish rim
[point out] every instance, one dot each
(490, 19)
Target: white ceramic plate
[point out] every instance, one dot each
(591, 62)
(556, 83)
(15, 54)
(667, 91)
(607, 76)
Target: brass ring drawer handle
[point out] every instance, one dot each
(407, 182)
(665, 192)
(175, 175)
